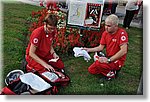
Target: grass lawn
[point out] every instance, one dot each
(15, 16)
(14, 26)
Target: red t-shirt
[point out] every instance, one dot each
(42, 41)
(113, 42)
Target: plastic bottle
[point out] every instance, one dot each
(96, 57)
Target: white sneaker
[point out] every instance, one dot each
(127, 27)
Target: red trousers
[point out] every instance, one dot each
(33, 65)
(104, 68)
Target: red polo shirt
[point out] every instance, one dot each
(42, 41)
(113, 42)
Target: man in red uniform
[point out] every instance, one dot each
(40, 50)
(115, 40)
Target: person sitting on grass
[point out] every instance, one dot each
(115, 40)
(40, 50)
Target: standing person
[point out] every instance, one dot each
(114, 6)
(107, 7)
(115, 40)
(131, 7)
(140, 3)
(40, 50)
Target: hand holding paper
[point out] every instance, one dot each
(80, 52)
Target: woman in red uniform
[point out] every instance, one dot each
(40, 50)
(115, 40)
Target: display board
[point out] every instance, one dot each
(85, 13)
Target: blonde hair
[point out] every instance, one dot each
(113, 18)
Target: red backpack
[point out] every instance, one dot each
(16, 83)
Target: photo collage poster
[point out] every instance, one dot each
(85, 13)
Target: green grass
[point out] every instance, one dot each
(14, 25)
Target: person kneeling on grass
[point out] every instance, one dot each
(115, 40)
(40, 50)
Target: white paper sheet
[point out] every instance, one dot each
(35, 82)
(51, 76)
(79, 52)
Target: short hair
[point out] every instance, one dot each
(51, 19)
(113, 18)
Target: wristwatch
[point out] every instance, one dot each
(108, 60)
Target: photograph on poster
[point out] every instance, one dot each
(93, 18)
(85, 13)
(76, 13)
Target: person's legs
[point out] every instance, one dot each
(130, 17)
(113, 9)
(126, 19)
(103, 68)
(97, 68)
(33, 66)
